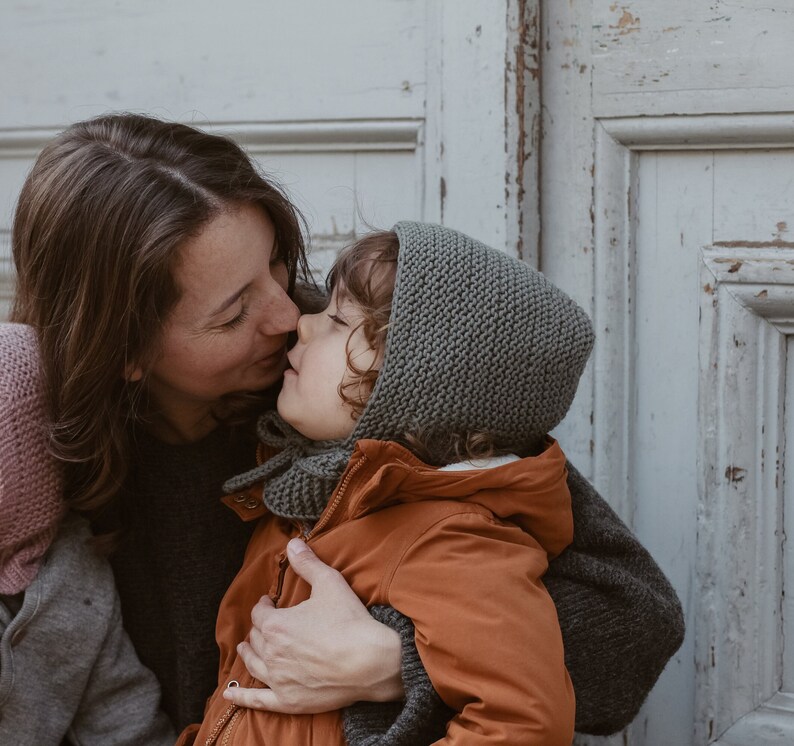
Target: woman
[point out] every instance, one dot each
(162, 273)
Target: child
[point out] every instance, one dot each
(68, 672)
(414, 459)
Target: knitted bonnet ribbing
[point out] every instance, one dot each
(30, 480)
(477, 342)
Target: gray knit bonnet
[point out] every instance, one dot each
(478, 342)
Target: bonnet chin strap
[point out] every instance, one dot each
(301, 478)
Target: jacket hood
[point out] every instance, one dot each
(531, 492)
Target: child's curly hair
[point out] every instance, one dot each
(365, 272)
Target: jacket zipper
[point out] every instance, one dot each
(228, 717)
(233, 712)
(283, 562)
(230, 727)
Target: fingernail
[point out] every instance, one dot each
(296, 546)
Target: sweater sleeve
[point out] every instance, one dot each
(121, 702)
(420, 719)
(621, 619)
(487, 632)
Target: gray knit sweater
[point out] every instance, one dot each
(620, 618)
(67, 670)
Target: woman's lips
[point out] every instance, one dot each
(272, 359)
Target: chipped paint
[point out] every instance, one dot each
(526, 64)
(735, 267)
(735, 474)
(627, 23)
(776, 244)
(708, 289)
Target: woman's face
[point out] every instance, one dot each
(228, 332)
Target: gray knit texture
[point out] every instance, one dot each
(301, 477)
(478, 342)
(420, 719)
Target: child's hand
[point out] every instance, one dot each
(322, 654)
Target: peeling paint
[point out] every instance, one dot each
(735, 267)
(627, 19)
(523, 58)
(762, 294)
(776, 244)
(627, 23)
(708, 289)
(735, 474)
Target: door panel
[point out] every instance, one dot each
(370, 111)
(670, 215)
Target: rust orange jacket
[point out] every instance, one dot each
(462, 554)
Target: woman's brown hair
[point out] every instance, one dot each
(96, 236)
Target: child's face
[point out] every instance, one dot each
(309, 399)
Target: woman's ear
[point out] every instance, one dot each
(132, 373)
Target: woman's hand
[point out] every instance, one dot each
(323, 654)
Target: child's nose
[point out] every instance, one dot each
(305, 326)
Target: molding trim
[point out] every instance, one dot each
(267, 137)
(6, 279)
(747, 306)
(704, 132)
(772, 724)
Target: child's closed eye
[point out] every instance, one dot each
(337, 319)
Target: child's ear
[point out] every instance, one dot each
(132, 373)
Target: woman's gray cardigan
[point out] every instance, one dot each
(68, 671)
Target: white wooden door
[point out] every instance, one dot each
(667, 198)
(368, 111)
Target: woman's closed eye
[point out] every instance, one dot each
(239, 319)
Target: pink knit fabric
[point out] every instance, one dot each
(30, 479)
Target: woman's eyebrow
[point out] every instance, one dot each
(229, 301)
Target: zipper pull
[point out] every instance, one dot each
(283, 564)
